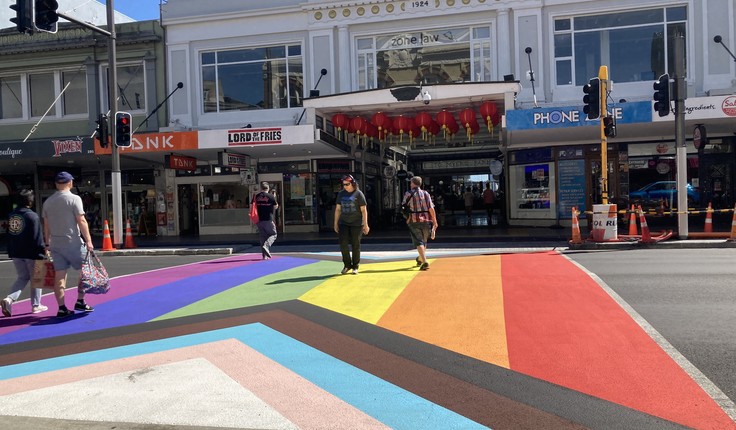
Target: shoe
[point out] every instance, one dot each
(84, 307)
(266, 252)
(63, 313)
(7, 306)
(344, 270)
(424, 266)
(355, 271)
(419, 261)
(40, 308)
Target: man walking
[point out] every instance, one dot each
(422, 221)
(66, 234)
(266, 205)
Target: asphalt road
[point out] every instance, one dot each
(687, 295)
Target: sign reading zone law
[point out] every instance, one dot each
(245, 137)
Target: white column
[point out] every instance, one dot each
(343, 58)
(503, 56)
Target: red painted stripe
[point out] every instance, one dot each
(563, 328)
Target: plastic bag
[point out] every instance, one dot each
(93, 277)
(253, 212)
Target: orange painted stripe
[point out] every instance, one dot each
(457, 305)
(564, 328)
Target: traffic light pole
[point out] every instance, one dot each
(681, 148)
(112, 97)
(603, 76)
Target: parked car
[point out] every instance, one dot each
(667, 190)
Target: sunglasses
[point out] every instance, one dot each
(345, 184)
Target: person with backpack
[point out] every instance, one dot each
(422, 219)
(266, 206)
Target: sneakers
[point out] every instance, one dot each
(355, 271)
(40, 308)
(64, 313)
(342, 272)
(7, 306)
(419, 261)
(424, 266)
(82, 306)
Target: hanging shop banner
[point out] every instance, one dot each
(156, 142)
(704, 108)
(227, 159)
(180, 162)
(64, 147)
(248, 137)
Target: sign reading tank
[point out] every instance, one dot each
(253, 136)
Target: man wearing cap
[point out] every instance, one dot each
(66, 234)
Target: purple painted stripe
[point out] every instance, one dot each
(153, 302)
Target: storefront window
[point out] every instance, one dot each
(531, 194)
(299, 201)
(224, 204)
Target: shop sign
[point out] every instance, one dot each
(291, 135)
(477, 163)
(232, 160)
(573, 116)
(54, 148)
(705, 108)
(253, 136)
(157, 142)
(180, 162)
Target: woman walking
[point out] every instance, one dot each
(351, 223)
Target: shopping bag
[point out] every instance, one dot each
(93, 277)
(253, 212)
(43, 273)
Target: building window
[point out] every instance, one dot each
(636, 45)
(429, 57)
(252, 78)
(11, 100)
(75, 96)
(42, 94)
(131, 87)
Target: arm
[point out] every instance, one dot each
(46, 232)
(364, 211)
(84, 229)
(433, 215)
(338, 210)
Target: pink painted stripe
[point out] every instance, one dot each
(294, 397)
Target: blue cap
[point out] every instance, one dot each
(63, 178)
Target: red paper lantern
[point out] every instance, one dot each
(423, 120)
(340, 121)
(469, 122)
(403, 124)
(356, 125)
(489, 112)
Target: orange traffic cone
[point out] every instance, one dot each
(576, 238)
(632, 223)
(646, 236)
(733, 226)
(128, 236)
(106, 240)
(708, 219)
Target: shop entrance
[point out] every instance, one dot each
(188, 209)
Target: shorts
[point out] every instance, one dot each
(71, 255)
(420, 232)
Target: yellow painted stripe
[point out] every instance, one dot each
(365, 296)
(456, 305)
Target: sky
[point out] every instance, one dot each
(140, 10)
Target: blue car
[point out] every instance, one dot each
(667, 190)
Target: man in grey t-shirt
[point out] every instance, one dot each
(66, 234)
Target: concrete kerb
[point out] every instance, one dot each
(166, 251)
(668, 244)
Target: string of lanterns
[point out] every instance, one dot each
(381, 126)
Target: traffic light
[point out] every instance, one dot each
(103, 132)
(23, 15)
(122, 129)
(45, 17)
(609, 126)
(592, 98)
(662, 95)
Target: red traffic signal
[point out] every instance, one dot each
(122, 129)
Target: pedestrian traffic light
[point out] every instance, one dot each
(45, 17)
(103, 132)
(122, 129)
(592, 98)
(662, 95)
(609, 126)
(23, 15)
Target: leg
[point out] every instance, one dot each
(23, 274)
(270, 230)
(356, 233)
(344, 238)
(59, 287)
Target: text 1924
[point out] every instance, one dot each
(421, 3)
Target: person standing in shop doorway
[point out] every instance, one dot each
(25, 246)
(266, 205)
(469, 197)
(489, 200)
(422, 221)
(351, 223)
(66, 233)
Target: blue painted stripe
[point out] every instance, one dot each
(154, 302)
(376, 397)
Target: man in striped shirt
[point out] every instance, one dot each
(422, 221)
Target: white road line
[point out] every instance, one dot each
(706, 384)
